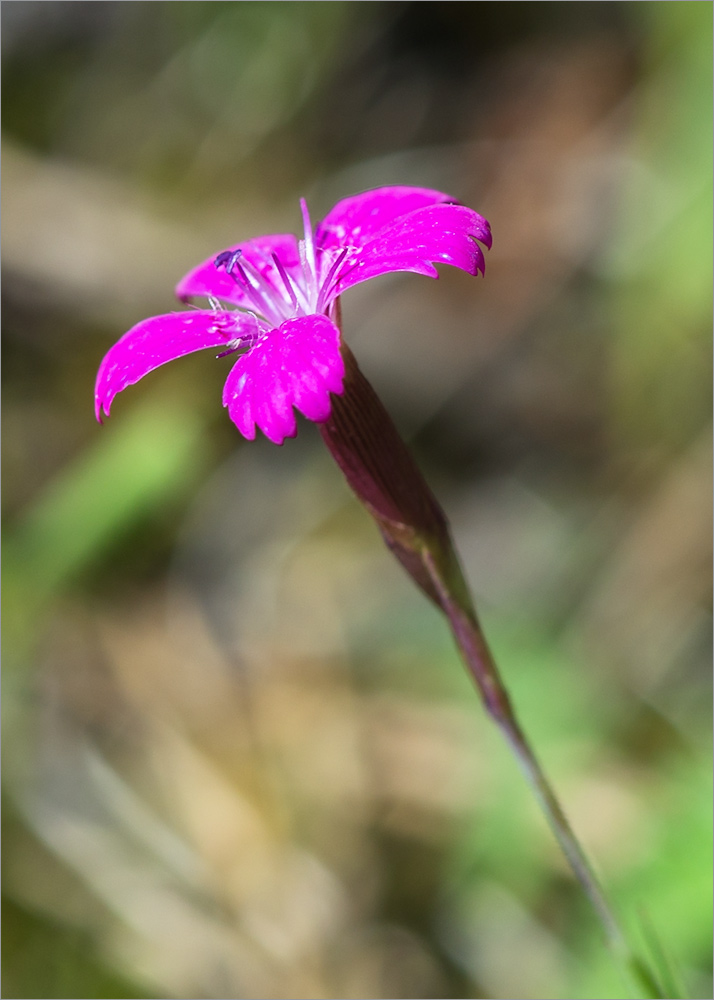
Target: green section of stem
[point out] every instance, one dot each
(447, 578)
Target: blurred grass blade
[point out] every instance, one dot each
(137, 465)
(668, 974)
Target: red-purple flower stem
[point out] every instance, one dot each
(381, 471)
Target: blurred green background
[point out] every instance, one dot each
(242, 758)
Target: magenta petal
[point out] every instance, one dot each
(159, 339)
(437, 234)
(207, 279)
(296, 365)
(355, 221)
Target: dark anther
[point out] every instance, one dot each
(228, 259)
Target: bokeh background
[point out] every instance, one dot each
(242, 758)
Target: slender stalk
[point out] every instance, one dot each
(481, 665)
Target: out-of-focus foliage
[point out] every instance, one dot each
(241, 756)
(659, 257)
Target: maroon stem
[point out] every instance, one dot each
(383, 474)
(480, 664)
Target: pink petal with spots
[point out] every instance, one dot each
(160, 339)
(207, 279)
(296, 365)
(357, 220)
(437, 234)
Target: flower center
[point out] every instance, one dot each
(281, 292)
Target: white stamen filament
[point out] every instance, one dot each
(330, 279)
(309, 245)
(295, 294)
(256, 293)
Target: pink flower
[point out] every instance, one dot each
(285, 293)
